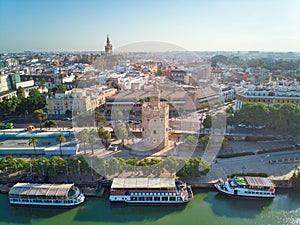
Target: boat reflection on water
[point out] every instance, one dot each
(243, 208)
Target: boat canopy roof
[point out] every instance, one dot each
(123, 183)
(255, 181)
(30, 189)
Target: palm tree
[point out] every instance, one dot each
(121, 132)
(40, 115)
(60, 138)
(92, 138)
(83, 137)
(33, 142)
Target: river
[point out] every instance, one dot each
(208, 207)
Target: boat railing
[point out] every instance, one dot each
(76, 193)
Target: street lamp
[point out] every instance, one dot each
(79, 169)
(16, 167)
(92, 170)
(104, 170)
(67, 170)
(43, 161)
(30, 165)
(54, 170)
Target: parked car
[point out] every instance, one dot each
(67, 119)
(260, 127)
(113, 147)
(241, 125)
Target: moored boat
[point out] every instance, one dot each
(247, 187)
(150, 191)
(51, 195)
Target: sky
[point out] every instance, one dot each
(194, 25)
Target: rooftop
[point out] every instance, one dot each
(143, 183)
(254, 181)
(40, 189)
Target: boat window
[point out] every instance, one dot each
(172, 199)
(156, 198)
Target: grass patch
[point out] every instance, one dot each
(235, 155)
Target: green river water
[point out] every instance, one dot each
(208, 207)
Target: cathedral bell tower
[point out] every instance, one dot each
(108, 46)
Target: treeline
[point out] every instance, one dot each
(283, 117)
(21, 105)
(265, 63)
(185, 168)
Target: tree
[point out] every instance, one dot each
(249, 114)
(92, 138)
(204, 141)
(33, 142)
(225, 143)
(104, 135)
(121, 132)
(21, 92)
(171, 164)
(230, 110)
(60, 138)
(68, 112)
(100, 119)
(194, 167)
(191, 141)
(207, 121)
(117, 114)
(83, 137)
(59, 87)
(159, 73)
(40, 116)
(57, 165)
(219, 121)
(50, 123)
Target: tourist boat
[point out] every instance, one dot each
(247, 187)
(53, 195)
(150, 191)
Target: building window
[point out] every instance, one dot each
(154, 132)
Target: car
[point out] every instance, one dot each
(241, 125)
(260, 127)
(113, 147)
(67, 119)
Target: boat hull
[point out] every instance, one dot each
(123, 199)
(45, 206)
(49, 205)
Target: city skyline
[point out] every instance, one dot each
(194, 25)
